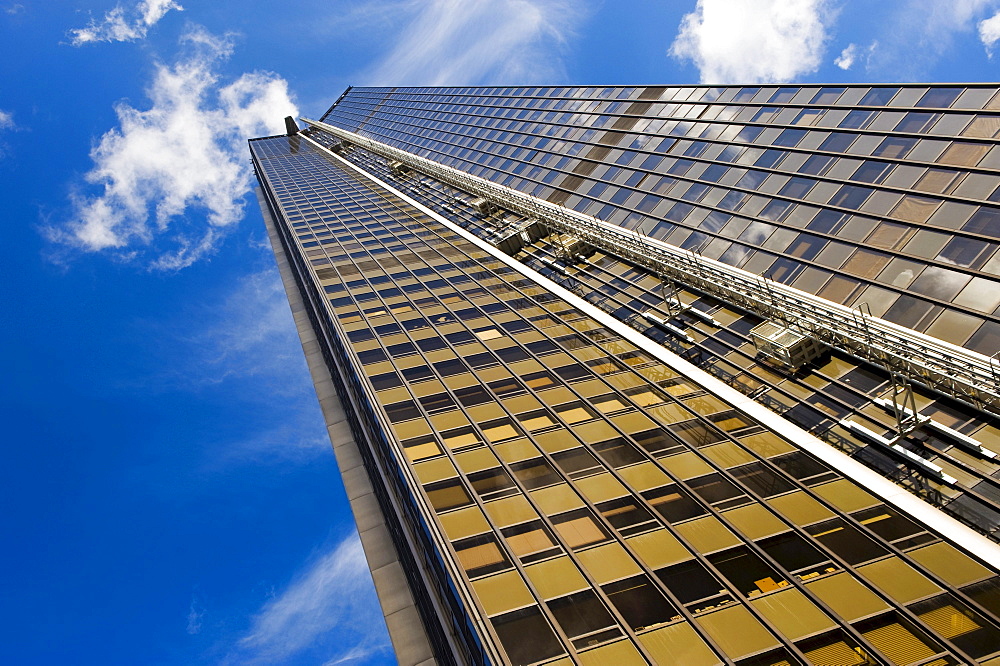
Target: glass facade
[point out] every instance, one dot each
(571, 494)
(885, 196)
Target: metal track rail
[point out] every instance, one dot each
(945, 367)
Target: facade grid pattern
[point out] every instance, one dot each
(885, 196)
(590, 504)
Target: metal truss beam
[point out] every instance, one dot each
(940, 365)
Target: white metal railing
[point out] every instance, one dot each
(941, 365)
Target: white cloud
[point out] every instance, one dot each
(989, 32)
(177, 172)
(457, 42)
(846, 58)
(748, 41)
(330, 609)
(123, 25)
(6, 120)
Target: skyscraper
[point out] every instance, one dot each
(684, 375)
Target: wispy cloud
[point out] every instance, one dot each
(241, 340)
(457, 42)
(6, 120)
(328, 611)
(747, 41)
(123, 25)
(194, 617)
(174, 176)
(918, 33)
(16, 8)
(248, 333)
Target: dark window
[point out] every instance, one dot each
(761, 480)
(572, 372)
(717, 490)
(816, 165)
(800, 465)
(783, 95)
(691, 582)
(939, 98)
(850, 196)
(769, 158)
(649, 202)
(512, 354)
(402, 349)
(450, 367)
(915, 122)
(386, 381)
(984, 221)
(628, 516)
(473, 395)
(827, 96)
(674, 503)
(797, 187)
(640, 603)
(846, 541)
(402, 411)
(578, 462)
(745, 570)
(895, 147)
(584, 619)
(526, 636)
(827, 221)
(493, 483)
(417, 373)
(838, 142)
(447, 495)
(618, 452)
(795, 554)
(431, 344)
(535, 473)
(887, 523)
(372, 356)
(790, 138)
(361, 335)
(878, 96)
(871, 172)
(437, 402)
(857, 119)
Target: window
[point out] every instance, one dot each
(584, 619)
(674, 503)
(628, 516)
(481, 555)
(640, 603)
(531, 542)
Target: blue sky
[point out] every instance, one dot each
(168, 492)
